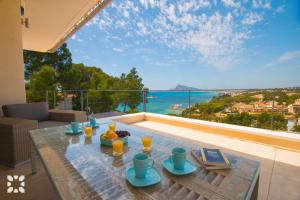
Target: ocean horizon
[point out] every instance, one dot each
(173, 102)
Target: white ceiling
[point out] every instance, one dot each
(51, 21)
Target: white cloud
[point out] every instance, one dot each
(252, 18)
(118, 49)
(143, 50)
(159, 63)
(142, 30)
(93, 21)
(126, 13)
(120, 23)
(116, 38)
(288, 56)
(266, 4)
(232, 3)
(86, 57)
(73, 37)
(280, 9)
(150, 3)
(188, 25)
(192, 5)
(125, 7)
(217, 40)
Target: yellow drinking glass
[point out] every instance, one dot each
(112, 126)
(88, 131)
(117, 145)
(147, 142)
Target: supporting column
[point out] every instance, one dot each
(12, 86)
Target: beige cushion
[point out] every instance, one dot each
(35, 111)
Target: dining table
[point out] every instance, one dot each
(82, 168)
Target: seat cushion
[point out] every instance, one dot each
(48, 124)
(35, 111)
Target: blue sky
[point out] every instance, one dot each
(207, 44)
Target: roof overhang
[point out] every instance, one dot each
(51, 23)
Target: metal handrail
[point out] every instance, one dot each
(83, 102)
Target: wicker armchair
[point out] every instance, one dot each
(39, 111)
(67, 115)
(15, 142)
(19, 119)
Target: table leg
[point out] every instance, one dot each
(33, 160)
(254, 195)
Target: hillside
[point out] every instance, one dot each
(183, 87)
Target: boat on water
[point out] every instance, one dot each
(176, 107)
(151, 97)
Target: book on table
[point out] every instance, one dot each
(211, 158)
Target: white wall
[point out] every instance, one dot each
(12, 87)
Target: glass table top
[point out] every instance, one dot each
(81, 168)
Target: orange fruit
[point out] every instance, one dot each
(112, 135)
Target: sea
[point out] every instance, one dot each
(173, 102)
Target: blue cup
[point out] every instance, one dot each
(178, 158)
(93, 122)
(142, 163)
(75, 127)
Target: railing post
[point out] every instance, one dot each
(272, 113)
(81, 99)
(87, 99)
(47, 97)
(54, 99)
(65, 100)
(144, 99)
(189, 103)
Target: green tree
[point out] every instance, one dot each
(92, 81)
(281, 96)
(73, 81)
(78, 77)
(132, 81)
(40, 82)
(243, 119)
(60, 60)
(99, 99)
(121, 97)
(264, 121)
(74, 78)
(297, 128)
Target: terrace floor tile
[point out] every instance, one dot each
(285, 182)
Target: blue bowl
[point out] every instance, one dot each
(107, 142)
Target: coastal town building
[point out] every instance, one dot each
(259, 96)
(291, 93)
(295, 107)
(236, 93)
(242, 107)
(267, 106)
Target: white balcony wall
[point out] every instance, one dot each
(12, 86)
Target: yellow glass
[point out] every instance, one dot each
(147, 142)
(88, 131)
(117, 147)
(112, 126)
